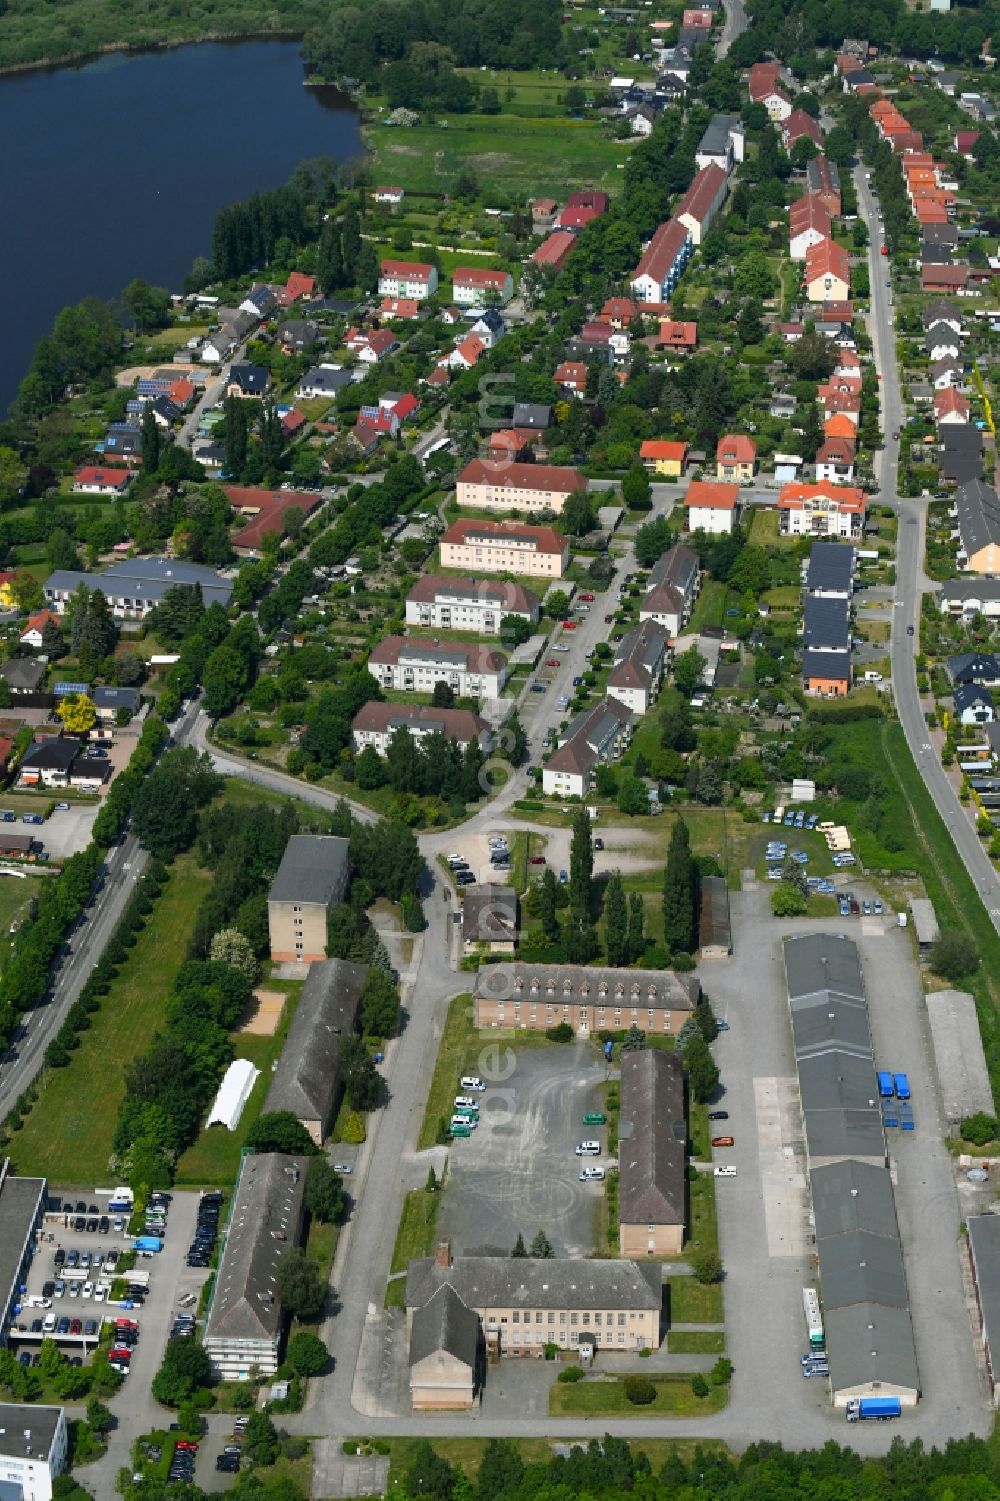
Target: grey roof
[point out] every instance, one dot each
(973, 667)
(837, 1081)
(678, 567)
(959, 1059)
(941, 333)
(850, 1196)
(307, 1077)
(940, 234)
(28, 1431)
(816, 962)
(264, 1225)
(832, 1134)
(835, 665)
(51, 754)
(116, 698)
(826, 623)
(532, 414)
(146, 579)
(521, 980)
(489, 914)
(253, 379)
(972, 696)
(821, 168)
(980, 588)
(934, 253)
(825, 1021)
(23, 672)
(328, 380)
(314, 868)
(526, 1282)
(652, 1136)
(978, 507)
(984, 1249)
(859, 1267)
(445, 1323)
(925, 923)
(591, 734)
(639, 656)
(715, 139)
(868, 1344)
(831, 566)
(20, 1200)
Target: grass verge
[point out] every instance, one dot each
(697, 1342)
(455, 1055)
(694, 1302)
(67, 1137)
(414, 1237)
(468, 1452)
(704, 1229)
(606, 1399)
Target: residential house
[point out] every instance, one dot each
(823, 182)
(961, 453)
(798, 126)
(943, 311)
(946, 372)
(517, 487)
(711, 508)
(489, 326)
(821, 510)
(827, 272)
(135, 586)
(723, 143)
(702, 201)
(24, 676)
(571, 375)
(489, 920)
(952, 278)
(619, 312)
(259, 302)
(965, 598)
(376, 723)
(246, 1320)
(736, 458)
(47, 763)
(407, 279)
(504, 547)
(266, 512)
(123, 440)
(523, 1304)
(465, 354)
(32, 633)
(976, 510)
(964, 143)
(403, 309)
(533, 997)
(390, 195)
(298, 285)
(248, 381)
(974, 705)
(940, 339)
(674, 582)
(830, 571)
(766, 90)
(641, 661)
(322, 380)
(835, 460)
(950, 406)
(440, 602)
(532, 414)
(112, 702)
(408, 664)
(298, 334)
(826, 674)
(662, 262)
(91, 479)
(473, 286)
(675, 335)
(652, 1137)
(543, 212)
(311, 879)
(809, 224)
(826, 624)
(663, 457)
(595, 737)
(218, 346)
(377, 345)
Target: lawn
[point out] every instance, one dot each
(697, 1342)
(606, 1399)
(456, 1056)
(468, 1452)
(704, 1229)
(15, 897)
(214, 1158)
(67, 1136)
(694, 1302)
(414, 1237)
(529, 156)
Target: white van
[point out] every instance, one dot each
(725, 1172)
(50, 1323)
(873, 677)
(465, 1120)
(589, 1149)
(591, 1175)
(472, 1081)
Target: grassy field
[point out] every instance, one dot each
(704, 1218)
(456, 1055)
(414, 1237)
(693, 1302)
(526, 155)
(468, 1452)
(606, 1399)
(15, 898)
(697, 1342)
(215, 1156)
(67, 1136)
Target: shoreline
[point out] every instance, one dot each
(135, 49)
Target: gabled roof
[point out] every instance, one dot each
(736, 448)
(652, 1136)
(701, 197)
(707, 494)
(263, 1227)
(657, 448)
(445, 1325)
(551, 477)
(307, 1077)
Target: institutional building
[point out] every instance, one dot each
(413, 664)
(307, 1079)
(533, 997)
(34, 1449)
(652, 1139)
(533, 488)
(311, 878)
(505, 547)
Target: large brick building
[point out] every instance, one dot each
(532, 997)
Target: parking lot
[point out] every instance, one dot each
(518, 1170)
(764, 1214)
(67, 831)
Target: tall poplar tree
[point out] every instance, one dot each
(678, 892)
(616, 921)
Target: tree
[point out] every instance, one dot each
(581, 939)
(707, 1267)
(148, 307)
(280, 1131)
(324, 1191)
(705, 1018)
(519, 1247)
(229, 946)
(363, 1084)
(636, 927)
(637, 489)
(53, 641)
(699, 1386)
(954, 956)
(679, 925)
(541, 1246)
(635, 1040)
(149, 434)
(787, 901)
(260, 1437)
(980, 1129)
(99, 1417)
(429, 1477)
(722, 1372)
(185, 1368)
(556, 604)
(616, 921)
(514, 630)
(548, 903)
(639, 1390)
(77, 713)
(235, 435)
(578, 514)
(702, 1072)
(302, 1288)
(633, 798)
(688, 669)
(306, 1354)
(443, 696)
(379, 1005)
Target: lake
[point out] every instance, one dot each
(115, 169)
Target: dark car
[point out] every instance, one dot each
(111, 1259)
(81, 1207)
(63, 1326)
(25, 1357)
(60, 1257)
(36, 1326)
(48, 1289)
(79, 1223)
(93, 1209)
(72, 1258)
(718, 1115)
(92, 1224)
(90, 1327)
(104, 1224)
(909, 630)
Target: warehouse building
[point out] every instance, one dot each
(959, 1060)
(22, 1205)
(652, 1136)
(307, 1078)
(984, 1261)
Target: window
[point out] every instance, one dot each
(296, 909)
(562, 1318)
(515, 1317)
(586, 1321)
(597, 1320)
(551, 1318)
(574, 1318)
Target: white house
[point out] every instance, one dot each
(375, 724)
(33, 1450)
(441, 603)
(673, 588)
(641, 662)
(217, 347)
(470, 669)
(787, 467)
(595, 737)
(712, 507)
(473, 286)
(407, 279)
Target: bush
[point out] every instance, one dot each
(722, 1372)
(699, 1386)
(355, 1130)
(980, 1129)
(707, 1267)
(954, 956)
(639, 1390)
(561, 1033)
(570, 1374)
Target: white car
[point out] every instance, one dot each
(588, 1149)
(87, 1291)
(465, 1120)
(456, 859)
(472, 1081)
(591, 1175)
(725, 1172)
(465, 1102)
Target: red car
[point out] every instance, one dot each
(569, 625)
(884, 250)
(121, 1357)
(186, 1443)
(587, 598)
(609, 619)
(537, 860)
(553, 662)
(76, 1327)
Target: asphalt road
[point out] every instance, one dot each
(910, 580)
(735, 22)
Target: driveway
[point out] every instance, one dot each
(518, 1171)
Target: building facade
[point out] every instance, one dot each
(375, 724)
(533, 997)
(517, 487)
(821, 510)
(480, 605)
(470, 669)
(407, 279)
(34, 1450)
(505, 547)
(311, 878)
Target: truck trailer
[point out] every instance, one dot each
(864, 1409)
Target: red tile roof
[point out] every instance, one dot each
(675, 335)
(544, 537)
(659, 448)
(478, 276)
(406, 406)
(703, 494)
(736, 448)
(298, 285)
(702, 195)
(95, 474)
(571, 373)
(407, 270)
(523, 477)
(662, 251)
(847, 498)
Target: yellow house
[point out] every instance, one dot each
(7, 596)
(663, 458)
(735, 458)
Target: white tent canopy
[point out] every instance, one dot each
(234, 1091)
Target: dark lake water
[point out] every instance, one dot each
(115, 169)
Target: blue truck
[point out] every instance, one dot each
(902, 1084)
(881, 1409)
(885, 1083)
(150, 1243)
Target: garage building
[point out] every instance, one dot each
(984, 1260)
(22, 1205)
(652, 1136)
(963, 1077)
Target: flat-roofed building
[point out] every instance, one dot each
(245, 1321)
(34, 1450)
(307, 1079)
(22, 1206)
(984, 1262)
(311, 878)
(963, 1078)
(533, 997)
(652, 1138)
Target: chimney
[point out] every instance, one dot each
(443, 1257)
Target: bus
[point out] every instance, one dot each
(885, 1084)
(814, 1319)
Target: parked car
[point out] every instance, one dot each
(723, 1141)
(718, 1115)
